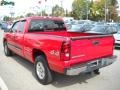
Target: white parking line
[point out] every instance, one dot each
(3, 85)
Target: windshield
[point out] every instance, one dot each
(98, 29)
(105, 29)
(47, 25)
(81, 27)
(76, 27)
(112, 29)
(88, 27)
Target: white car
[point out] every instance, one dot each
(117, 39)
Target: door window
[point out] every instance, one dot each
(36, 25)
(15, 27)
(21, 26)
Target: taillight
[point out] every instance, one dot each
(113, 42)
(65, 51)
(113, 45)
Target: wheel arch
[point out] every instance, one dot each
(36, 52)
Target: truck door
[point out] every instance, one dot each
(11, 36)
(19, 38)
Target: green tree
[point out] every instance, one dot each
(6, 18)
(112, 10)
(29, 14)
(98, 9)
(18, 17)
(3, 2)
(21, 16)
(44, 13)
(80, 9)
(58, 11)
(113, 2)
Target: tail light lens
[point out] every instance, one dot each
(65, 51)
(113, 43)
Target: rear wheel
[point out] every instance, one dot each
(97, 71)
(7, 51)
(42, 71)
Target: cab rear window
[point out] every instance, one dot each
(47, 25)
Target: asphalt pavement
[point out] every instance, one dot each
(18, 74)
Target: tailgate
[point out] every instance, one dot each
(88, 48)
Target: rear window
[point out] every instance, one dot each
(46, 25)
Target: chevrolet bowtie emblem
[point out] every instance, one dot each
(96, 43)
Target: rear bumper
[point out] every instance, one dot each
(117, 43)
(90, 66)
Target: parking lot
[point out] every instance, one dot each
(18, 74)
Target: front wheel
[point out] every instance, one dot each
(7, 51)
(42, 71)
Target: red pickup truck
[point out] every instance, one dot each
(45, 42)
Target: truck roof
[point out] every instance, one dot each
(42, 17)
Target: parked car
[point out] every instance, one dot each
(103, 29)
(0, 25)
(81, 27)
(85, 21)
(45, 42)
(117, 39)
(76, 28)
(99, 23)
(4, 26)
(88, 26)
(68, 25)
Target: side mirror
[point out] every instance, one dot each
(7, 29)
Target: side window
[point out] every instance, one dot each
(15, 27)
(21, 26)
(36, 25)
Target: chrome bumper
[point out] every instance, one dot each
(117, 43)
(90, 66)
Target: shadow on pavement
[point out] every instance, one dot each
(25, 63)
(60, 80)
(63, 80)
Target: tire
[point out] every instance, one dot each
(42, 71)
(7, 51)
(97, 71)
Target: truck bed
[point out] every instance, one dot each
(86, 46)
(66, 34)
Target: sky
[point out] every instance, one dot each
(24, 6)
